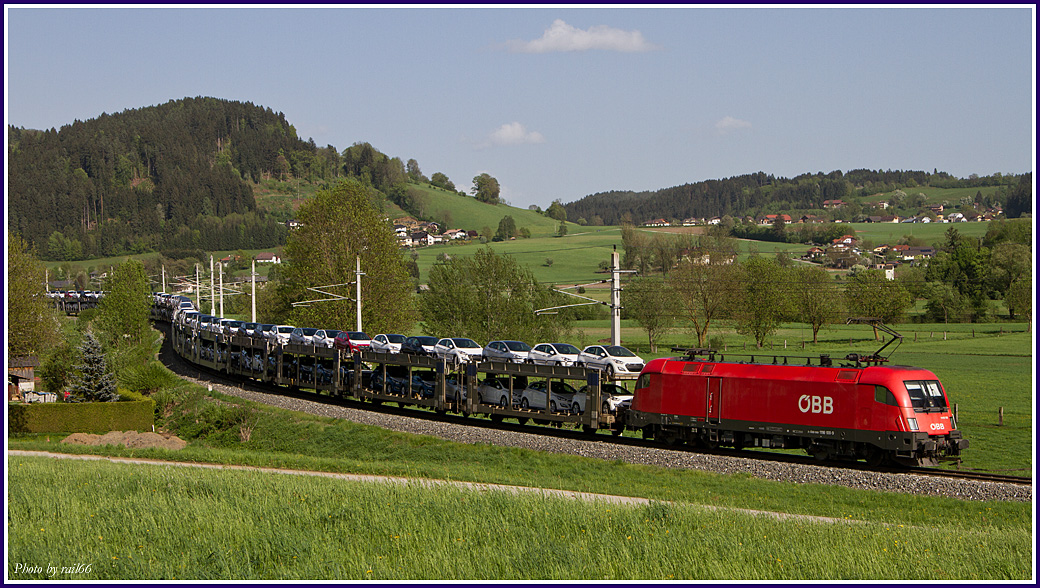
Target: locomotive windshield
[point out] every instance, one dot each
(926, 395)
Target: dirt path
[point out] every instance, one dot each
(480, 487)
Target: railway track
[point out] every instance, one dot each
(181, 366)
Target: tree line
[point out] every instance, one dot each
(761, 193)
(701, 282)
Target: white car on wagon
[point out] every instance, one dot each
(563, 354)
(614, 359)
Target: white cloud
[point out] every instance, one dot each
(729, 124)
(563, 37)
(514, 134)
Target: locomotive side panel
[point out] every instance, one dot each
(790, 403)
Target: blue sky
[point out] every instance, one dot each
(559, 103)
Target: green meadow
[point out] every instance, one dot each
(164, 523)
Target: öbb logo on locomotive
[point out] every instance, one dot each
(816, 404)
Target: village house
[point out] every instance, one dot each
(813, 253)
(833, 203)
(265, 257)
(421, 239)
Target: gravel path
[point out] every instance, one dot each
(905, 483)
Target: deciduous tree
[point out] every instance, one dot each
(32, 320)
(650, 303)
(122, 316)
(869, 294)
(340, 225)
(816, 299)
(506, 228)
(1009, 263)
(702, 282)
(556, 211)
(487, 297)
(760, 299)
(486, 188)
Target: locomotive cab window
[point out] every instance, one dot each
(884, 396)
(643, 381)
(926, 395)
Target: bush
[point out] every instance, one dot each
(83, 417)
(150, 377)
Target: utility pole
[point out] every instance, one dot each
(358, 273)
(615, 299)
(221, 266)
(212, 290)
(252, 297)
(164, 277)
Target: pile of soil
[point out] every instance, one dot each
(131, 439)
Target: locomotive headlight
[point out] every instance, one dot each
(912, 423)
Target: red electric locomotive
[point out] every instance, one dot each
(878, 413)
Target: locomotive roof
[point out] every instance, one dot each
(838, 371)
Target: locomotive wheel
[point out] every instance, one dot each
(875, 457)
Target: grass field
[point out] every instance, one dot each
(931, 233)
(156, 522)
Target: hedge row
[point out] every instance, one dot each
(87, 417)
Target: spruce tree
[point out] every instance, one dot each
(94, 382)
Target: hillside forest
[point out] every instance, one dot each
(181, 177)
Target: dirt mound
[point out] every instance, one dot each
(131, 439)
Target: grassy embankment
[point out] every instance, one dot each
(134, 522)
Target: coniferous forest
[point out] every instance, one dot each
(171, 176)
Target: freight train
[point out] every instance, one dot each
(861, 409)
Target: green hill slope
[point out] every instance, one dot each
(465, 212)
